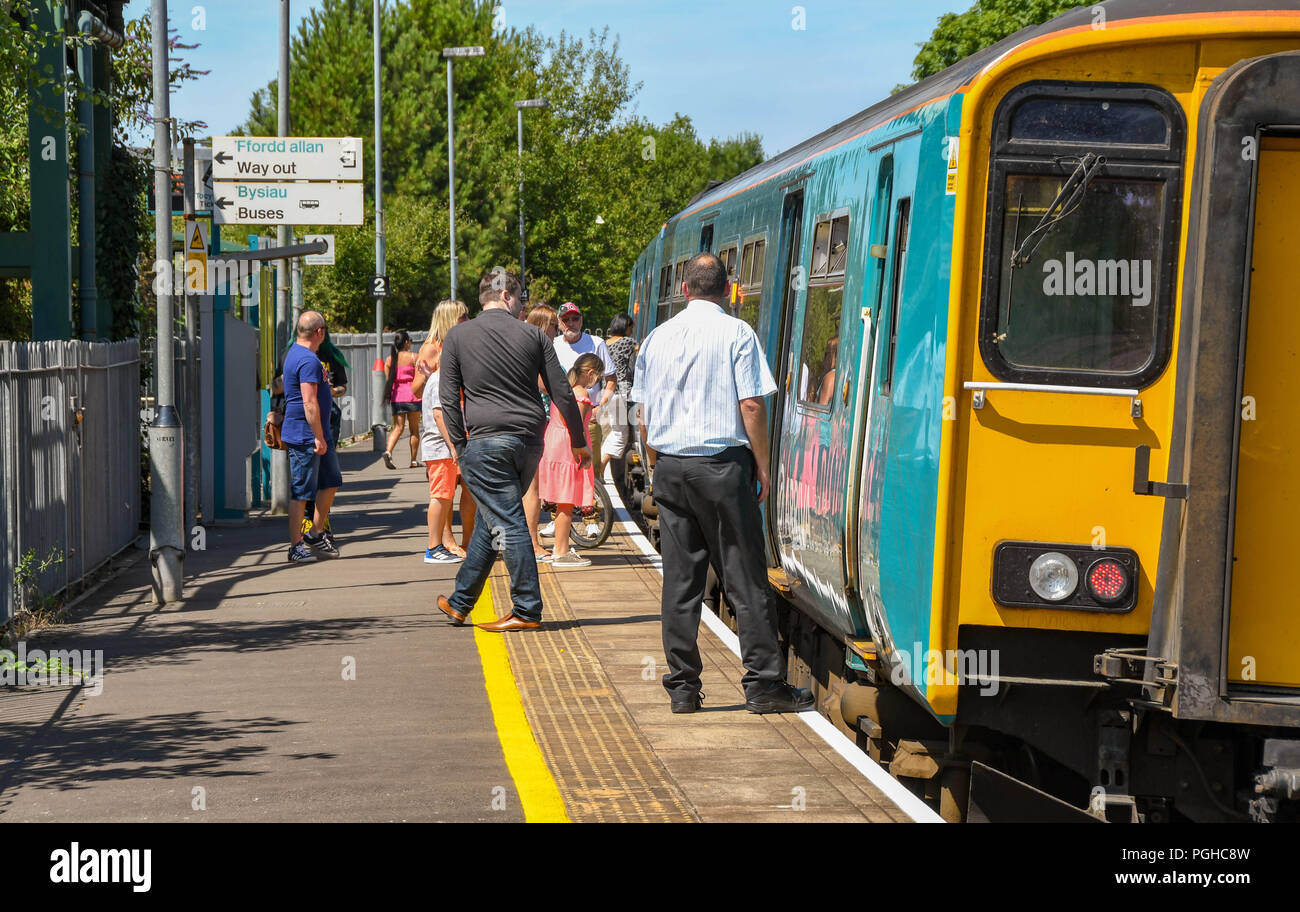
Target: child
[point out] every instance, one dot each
(559, 480)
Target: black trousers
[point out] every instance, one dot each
(708, 514)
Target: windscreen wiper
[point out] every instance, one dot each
(1066, 202)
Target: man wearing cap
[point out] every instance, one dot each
(569, 344)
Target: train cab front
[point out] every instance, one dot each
(1121, 501)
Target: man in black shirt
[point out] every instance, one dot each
(495, 360)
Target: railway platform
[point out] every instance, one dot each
(338, 692)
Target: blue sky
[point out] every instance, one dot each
(731, 65)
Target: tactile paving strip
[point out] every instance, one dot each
(602, 763)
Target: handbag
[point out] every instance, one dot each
(271, 433)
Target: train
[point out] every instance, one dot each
(1032, 507)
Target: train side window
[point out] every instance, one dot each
(678, 275)
(819, 350)
(896, 290)
(750, 294)
(728, 256)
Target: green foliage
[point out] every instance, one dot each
(35, 608)
(27, 580)
(132, 92)
(124, 229)
(123, 235)
(958, 35)
(584, 157)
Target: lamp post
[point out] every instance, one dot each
(381, 263)
(519, 110)
(450, 54)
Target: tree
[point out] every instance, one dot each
(585, 157)
(958, 35)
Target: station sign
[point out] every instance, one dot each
(287, 203)
(320, 259)
(285, 158)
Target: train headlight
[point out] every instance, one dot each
(1053, 576)
(1108, 581)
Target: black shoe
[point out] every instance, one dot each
(780, 697)
(388, 461)
(689, 703)
(321, 545)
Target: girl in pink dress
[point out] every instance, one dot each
(559, 480)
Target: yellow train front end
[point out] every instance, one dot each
(1118, 483)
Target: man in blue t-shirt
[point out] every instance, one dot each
(313, 461)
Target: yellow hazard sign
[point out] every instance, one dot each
(196, 257)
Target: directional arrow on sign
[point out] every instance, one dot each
(283, 158)
(288, 203)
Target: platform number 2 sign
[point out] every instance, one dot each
(379, 286)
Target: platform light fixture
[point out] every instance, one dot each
(519, 111)
(450, 54)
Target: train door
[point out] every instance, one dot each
(1224, 623)
(785, 297)
(1261, 639)
(889, 579)
(873, 293)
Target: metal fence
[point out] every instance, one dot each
(359, 349)
(69, 459)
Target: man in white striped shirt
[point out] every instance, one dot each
(701, 382)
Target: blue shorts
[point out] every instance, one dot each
(310, 472)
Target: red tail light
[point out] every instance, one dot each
(1108, 581)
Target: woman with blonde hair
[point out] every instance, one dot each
(440, 459)
(544, 317)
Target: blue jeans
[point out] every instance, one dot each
(497, 470)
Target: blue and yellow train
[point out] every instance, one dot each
(1034, 491)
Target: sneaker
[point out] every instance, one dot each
(780, 697)
(593, 530)
(329, 537)
(570, 558)
(548, 530)
(440, 555)
(388, 461)
(301, 554)
(321, 545)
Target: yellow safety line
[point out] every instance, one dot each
(538, 793)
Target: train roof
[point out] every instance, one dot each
(959, 75)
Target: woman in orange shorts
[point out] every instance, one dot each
(439, 459)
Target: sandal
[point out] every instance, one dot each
(455, 549)
(415, 465)
(388, 461)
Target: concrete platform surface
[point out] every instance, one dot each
(337, 692)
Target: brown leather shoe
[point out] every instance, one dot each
(445, 607)
(511, 621)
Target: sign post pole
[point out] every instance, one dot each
(280, 458)
(192, 233)
(166, 434)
